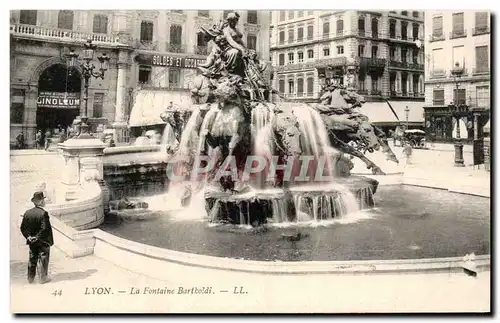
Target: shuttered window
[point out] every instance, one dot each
(252, 17)
(282, 37)
(482, 58)
(176, 35)
(340, 27)
(461, 96)
(483, 96)
(310, 86)
(100, 25)
(300, 34)
(481, 20)
(146, 31)
(65, 19)
(310, 32)
(300, 87)
(281, 59)
(437, 26)
(458, 23)
(252, 42)
(326, 28)
(291, 34)
(28, 17)
(438, 97)
(281, 86)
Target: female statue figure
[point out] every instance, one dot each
(235, 50)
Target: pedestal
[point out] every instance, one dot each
(459, 155)
(80, 155)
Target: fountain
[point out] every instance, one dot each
(255, 157)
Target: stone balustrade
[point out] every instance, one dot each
(46, 33)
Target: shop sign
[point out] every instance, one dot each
(58, 100)
(172, 61)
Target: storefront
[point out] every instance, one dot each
(56, 110)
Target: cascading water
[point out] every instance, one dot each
(168, 138)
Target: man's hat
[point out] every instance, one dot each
(37, 196)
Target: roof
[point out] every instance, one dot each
(380, 112)
(149, 104)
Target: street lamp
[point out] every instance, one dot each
(458, 111)
(88, 70)
(407, 114)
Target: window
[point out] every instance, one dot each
(144, 74)
(482, 60)
(483, 96)
(361, 25)
(415, 55)
(252, 17)
(374, 83)
(392, 83)
(282, 17)
(175, 35)
(146, 31)
(310, 32)
(290, 58)
(204, 13)
(310, 53)
(415, 83)
(361, 50)
(392, 29)
(281, 85)
(340, 49)
(374, 28)
(17, 106)
(458, 55)
(326, 29)
(438, 97)
(415, 14)
(300, 34)
(290, 14)
(300, 87)
(291, 86)
(438, 60)
(481, 23)
(291, 34)
(437, 26)
(201, 40)
(97, 105)
(404, 55)
(226, 13)
(300, 56)
(404, 30)
(282, 37)
(374, 51)
(392, 53)
(404, 13)
(252, 42)
(28, 17)
(340, 27)
(310, 86)
(416, 28)
(326, 51)
(100, 24)
(281, 59)
(300, 14)
(65, 19)
(404, 83)
(458, 24)
(174, 77)
(461, 98)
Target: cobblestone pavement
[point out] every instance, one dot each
(72, 276)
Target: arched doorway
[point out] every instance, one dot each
(58, 101)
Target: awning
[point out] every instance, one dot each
(149, 104)
(380, 112)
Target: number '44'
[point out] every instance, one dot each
(57, 292)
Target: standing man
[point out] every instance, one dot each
(47, 139)
(37, 230)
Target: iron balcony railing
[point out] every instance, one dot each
(480, 30)
(147, 44)
(175, 48)
(437, 37)
(458, 33)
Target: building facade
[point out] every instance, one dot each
(375, 50)
(157, 49)
(453, 37)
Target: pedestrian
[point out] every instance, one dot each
(38, 139)
(407, 153)
(37, 231)
(47, 139)
(20, 141)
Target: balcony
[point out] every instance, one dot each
(201, 50)
(438, 102)
(436, 37)
(375, 34)
(480, 30)
(175, 48)
(480, 71)
(146, 45)
(458, 34)
(372, 63)
(362, 33)
(63, 35)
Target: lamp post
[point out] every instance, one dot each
(458, 111)
(407, 114)
(88, 71)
